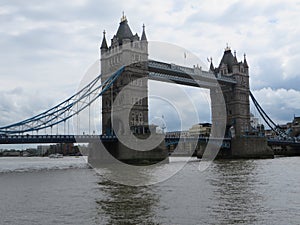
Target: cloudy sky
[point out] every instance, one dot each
(47, 46)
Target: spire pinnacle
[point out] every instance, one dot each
(104, 43)
(235, 59)
(211, 67)
(143, 38)
(227, 47)
(245, 61)
(123, 18)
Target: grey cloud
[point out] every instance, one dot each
(18, 104)
(279, 104)
(269, 73)
(53, 54)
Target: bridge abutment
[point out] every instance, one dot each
(250, 147)
(113, 152)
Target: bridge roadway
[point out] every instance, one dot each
(169, 141)
(39, 139)
(278, 142)
(47, 139)
(168, 72)
(226, 142)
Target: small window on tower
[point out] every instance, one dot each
(140, 118)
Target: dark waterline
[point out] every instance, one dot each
(228, 192)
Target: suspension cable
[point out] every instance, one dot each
(57, 114)
(276, 128)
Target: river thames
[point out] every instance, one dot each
(66, 191)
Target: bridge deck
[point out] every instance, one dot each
(48, 139)
(38, 139)
(284, 142)
(185, 75)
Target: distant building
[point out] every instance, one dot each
(270, 133)
(30, 152)
(290, 129)
(26, 153)
(254, 121)
(42, 149)
(11, 153)
(296, 127)
(64, 149)
(177, 134)
(200, 129)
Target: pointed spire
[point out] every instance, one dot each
(104, 43)
(227, 59)
(227, 47)
(123, 18)
(143, 38)
(245, 61)
(235, 59)
(124, 31)
(211, 68)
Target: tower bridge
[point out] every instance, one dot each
(123, 88)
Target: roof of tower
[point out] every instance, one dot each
(144, 38)
(124, 31)
(104, 43)
(227, 59)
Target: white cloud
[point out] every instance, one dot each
(279, 104)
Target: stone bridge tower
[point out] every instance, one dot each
(244, 143)
(236, 96)
(131, 51)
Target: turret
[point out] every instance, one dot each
(103, 47)
(235, 66)
(227, 62)
(126, 48)
(246, 65)
(211, 67)
(143, 38)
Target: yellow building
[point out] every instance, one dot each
(200, 129)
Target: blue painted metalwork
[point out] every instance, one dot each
(185, 75)
(65, 110)
(175, 140)
(47, 139)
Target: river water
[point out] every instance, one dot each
(66, 191)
